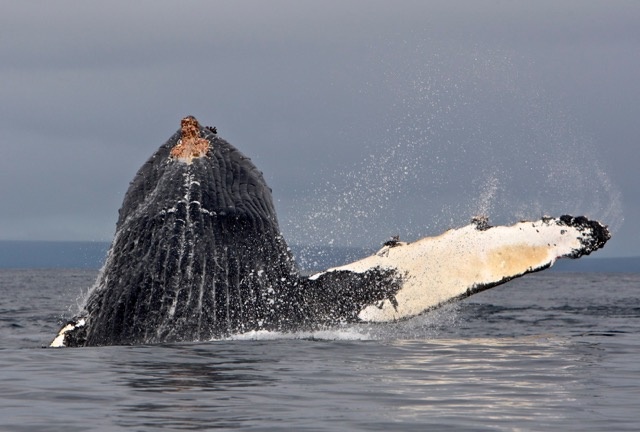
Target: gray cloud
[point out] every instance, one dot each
(368, 118)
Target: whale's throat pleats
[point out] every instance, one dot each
(197, 252)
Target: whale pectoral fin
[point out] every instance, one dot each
(464, 261)
(72, 333)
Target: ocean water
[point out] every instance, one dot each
(550, 351)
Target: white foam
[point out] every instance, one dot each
(346, 333)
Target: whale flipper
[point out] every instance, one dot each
(198, 254)
(464, 261)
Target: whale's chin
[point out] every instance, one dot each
(198, 255)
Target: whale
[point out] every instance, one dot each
(198, 255)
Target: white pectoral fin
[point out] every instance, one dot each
(70, 327)
(463, 261)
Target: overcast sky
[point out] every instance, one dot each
(369, 119)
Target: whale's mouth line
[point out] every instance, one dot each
(190, 146)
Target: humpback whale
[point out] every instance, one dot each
(198, 255)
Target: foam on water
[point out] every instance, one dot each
(347, 333)
(424, 326)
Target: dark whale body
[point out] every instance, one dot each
(198, 255)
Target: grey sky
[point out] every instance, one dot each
(369, 119)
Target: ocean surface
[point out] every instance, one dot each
(550, 351)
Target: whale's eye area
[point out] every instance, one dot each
(191, 145)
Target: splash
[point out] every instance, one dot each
(426, 326)
(348, 333)
(488, 194)
(467, 132)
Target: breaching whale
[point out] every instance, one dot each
(198, 255)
